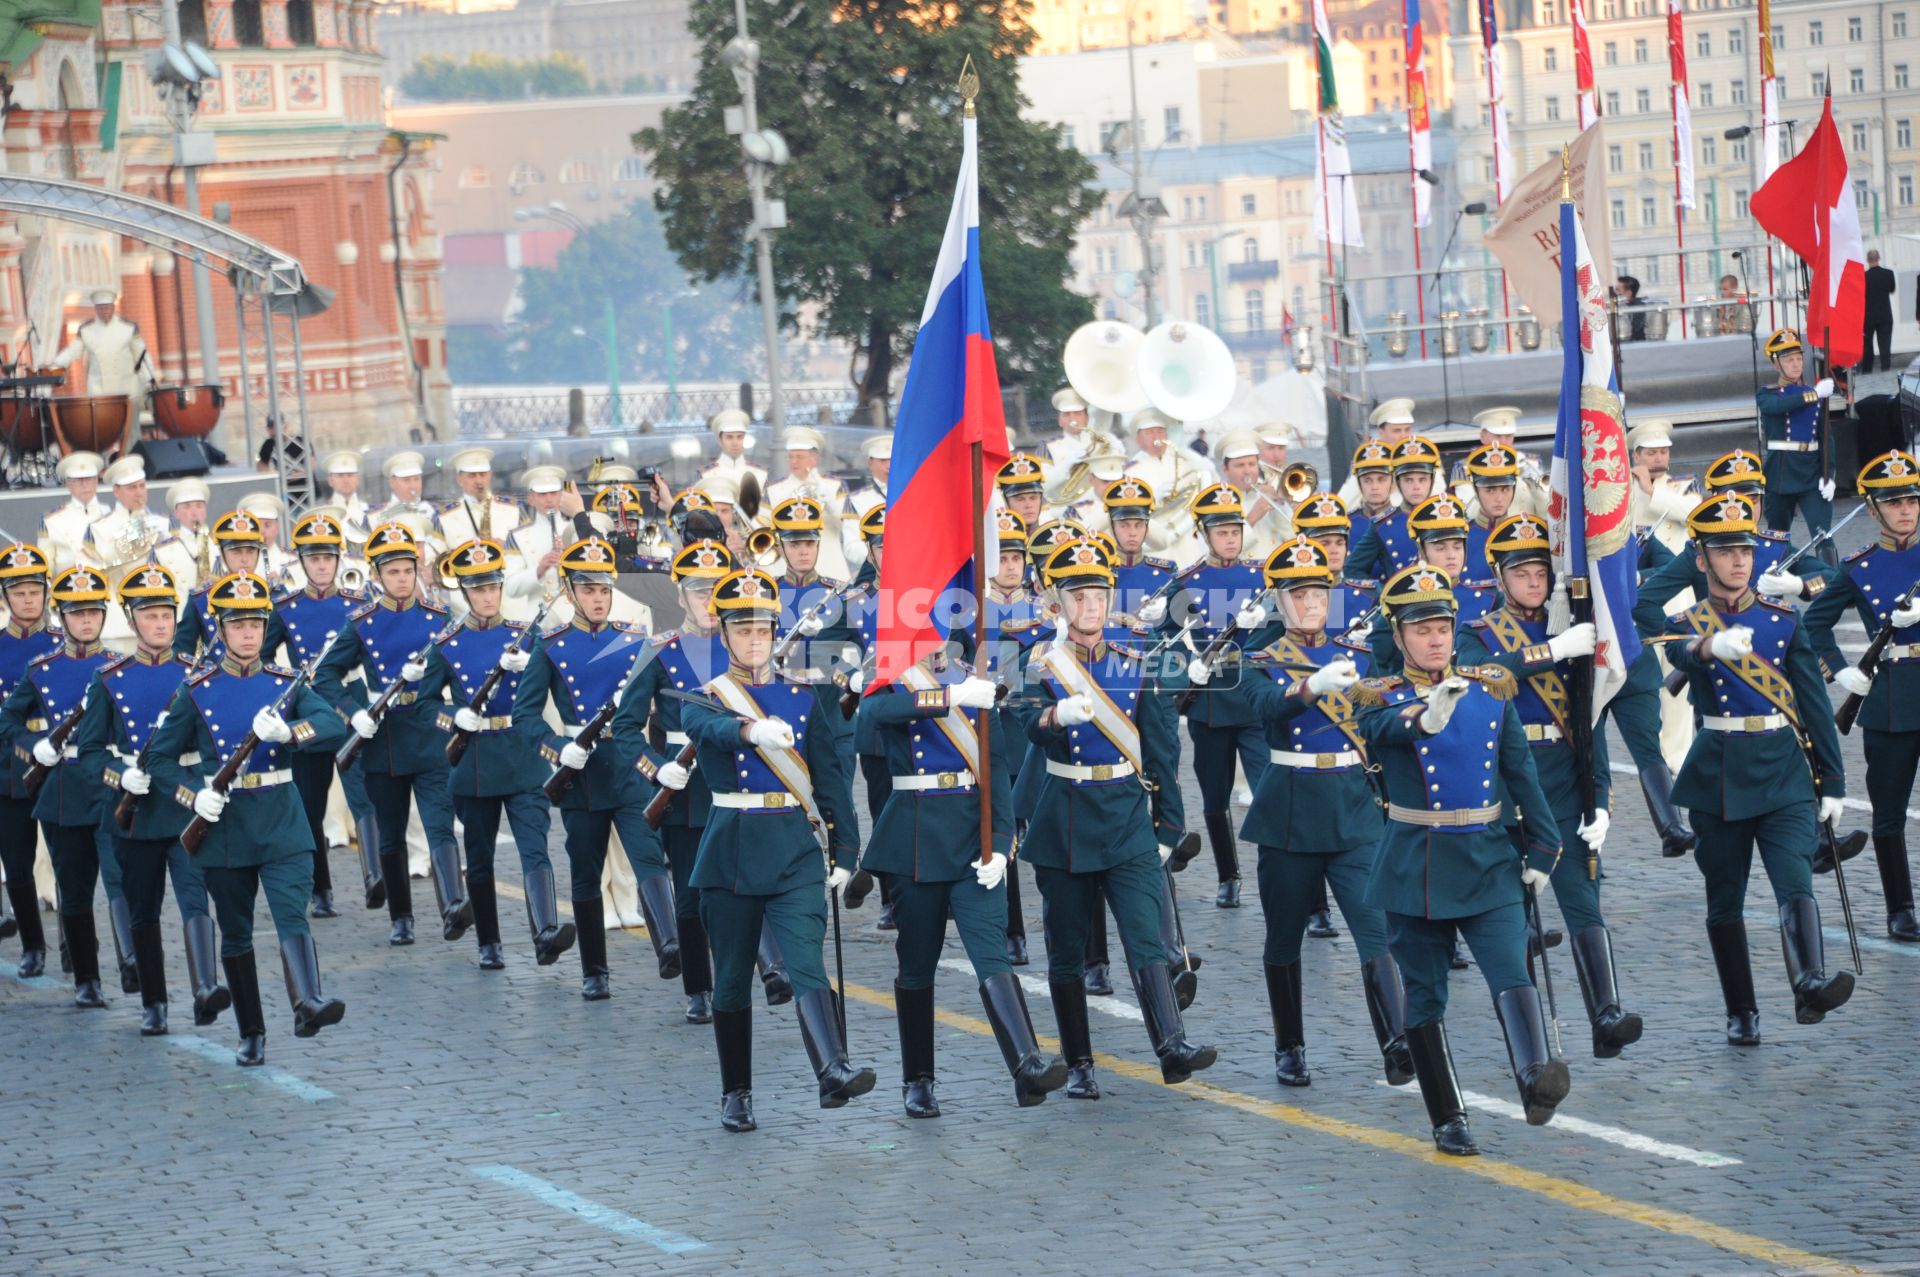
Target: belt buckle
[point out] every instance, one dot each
(773, 800)
(1756, 723)
(1102, 771)
(949, 780)
(1323, 761)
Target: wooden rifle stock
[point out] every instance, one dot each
(458, 742)
(378, 710)
(656, 811)
(1870, 661)
(1184, 701)
(36, 774)
(196, 831)
(562, 779)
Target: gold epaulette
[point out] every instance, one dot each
(561, 628)
(1777, 605)
(630, 627)
(194, 680)
(1495, 681)
(1373, 691)
(664, 637)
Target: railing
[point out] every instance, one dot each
(552, 411)
(1245, 272)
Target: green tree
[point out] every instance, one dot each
(486, 77)
(863, 92)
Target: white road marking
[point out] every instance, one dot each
(298, 1087)
(1037, 987)
(592, 1212)
(1837, 954)
(1593, 1130)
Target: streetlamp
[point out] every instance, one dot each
(555, 211)
(763, 151)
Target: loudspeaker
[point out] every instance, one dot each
(174, 458)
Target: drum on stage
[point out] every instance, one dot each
(90, 423)
(187, 412)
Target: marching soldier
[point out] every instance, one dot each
(1021, 483)
(780, 797)
(237, 545)
(1498, 429)
(501, 768)
(27, 638)
(1454, 759)
(1104, 752)
(1793, 423)
(1314, 816)
(258, 839)
(1493, 478)
(583, 666)
(124, 705)
(1752, 777)
(1013, 625)
(1514, 637)
(63, 530)
(387, 642)
(1371, 479)
(1323, 519)
(1389, 545)
(811, 605)
(1441, 533)
(478, 513)
(1141, 580)
(1878, 583)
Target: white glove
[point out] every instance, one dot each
(1594, 832)
(1827, 489)
(1152, 612)
(1776, 584)
(811, 625)
(134, 781)
(208, 804)
(973, 692)
(45, 754)
(1732, 643)
(1074, 711)
(1905, 616)
(362, 722)
(271, 728)
(673, 776)
(1334, 676)
(1534, 880)
(1166, 854)
(770, 733)
(1441, 703)
(1199, 672)
(573, 758)
(1853, 682)
(991, 874)
(838, 878)
(1823, 387)
(1251, 616)
(413, 671)
(514, 661)
(1830, 809)
(1577, 640)
(466, 720)
(857, 681)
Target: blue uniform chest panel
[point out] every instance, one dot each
(1217, 591)
(62, 682)
(1124, 684)
(1137, 582)
(797, 600)
(1882, 576)
(308, 621)
(1801, 422)
(1397, 537)
(792, 702)
(1312, 729)
(139, 693)
(1459, 766)
(588, 667)
(473, 655)
(16, 652)
(227, 704)
(1772, 632)
(691, 661)
(389, 636)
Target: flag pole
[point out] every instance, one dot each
(1579, 594)
(983, 727)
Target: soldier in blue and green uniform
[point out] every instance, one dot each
(1314, 815)
(780, 796)
(684, 660)
(927, 839)
(1494, 472)
(1372, 476)
(500, 773)
(1877, 583)
(123, 706)
(582, 666)
(1389, 544)
(405, 755)
(68, 805)
(1021, 483)
(27, 637)
(1514, 637)
(1106, 814)
(257, 840)
(301, 623)
(1793, 421)
(1440, 526)
(1454, 758)
(239, 544)
(1764, 768)
(1323, 518)
(1015, 623)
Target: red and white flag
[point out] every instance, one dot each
(1682, 107)
(1808, 204)
(1583, 90)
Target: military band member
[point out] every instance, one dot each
(187, 551)
(405, 756)
(478, 513)
(780, 796)
(1876, 583)
(1660, 500)
(258, 839)
(405, 473)
(583, 665)
(1269, 515)
(804, 479)
(115, 352)
(1389, 543)
(557, 518)
(1751, 777)
(1794, 425)
(1441, 532)
(866, 498)
(126, 534)
(1176, 474)
(63, 529)
(342, 473)
(1071, 444)
(1313, 815)
(28, 636)
(730, 433)
(1514, 637)
(1455, 761)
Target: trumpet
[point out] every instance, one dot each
(1298, 481)
(763, 548)
(353, 577)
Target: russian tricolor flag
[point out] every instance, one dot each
(951, 402)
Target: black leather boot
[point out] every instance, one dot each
(733, 1035)
(1186, 980)
(1016, 920)
(656, 906)
(1814, 991)
(551, 937)
(60, 925)
(1613, 1028)
(1097, 974)
(1179, 1058)
(589, 917)
(1728, 940)
(372, 877)
(913, 1010)
(1851, 844)
(1433, 1065)
(1896, 881)
(886, 922)
(1289, 1030)
(1320, 917)
(153, 981)
(83, 949)
(773, 969)
(244, 979)
(449, 890)
(210, 997)
(9, 925)
(1543, 1080)
(120, 917)
(321, 905)
(1387, 1007)
(1034, 1074)
(696, 970)
(485, 899)
(1457, 961)
(1076, 1038)
(399, 899)
(827, 1049)
(312, 1009)
(1226, 858)
(33, 936)
(1676, 836)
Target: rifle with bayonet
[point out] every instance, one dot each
(378, 710)
(458, 742)
(1870, 660)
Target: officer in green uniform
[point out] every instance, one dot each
(26, 637)
(259, 838)
(927, 838)
(780, 795)
(1314, 816)
(1878, 583)
(1388, 543)
(1764, 767)
(1454, 758)
(1794, 424)
(1442, 535)
(1514, 637)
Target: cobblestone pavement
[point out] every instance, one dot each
(462, 1121)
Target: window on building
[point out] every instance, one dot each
(1703, 93)
(1068, 139)
(1186, 209)
(1737, 92)
(248, 31)
(1649, 211)
(632, 169)
(1740, 203)
(525, 175)
(1736, 40)
(1193, 253)
(1248, 203)
(1897, 24)
(576, 172)
(1703, 44)
(1899, 75)
(1549, 16)
(1859, 137)
(1172, 122)
(1610, 54)
(1739, 150)
(1709, 149)
(1550, 58)
(1553, 108)
(1816, 33)
(1486, 116)
(1202, 310)
(1903, 190)
(1613, 102)
(1819, 83)
(1617, 211)
(1486, 169)
(300, 21)
(1856, 30)
(1856, 79)
(1646, 156)
(1249, 249)
(1203, 207)
(1903, 134)
(1256, 311)
(1779, 34)
(1640, 50)
(1616, 158)
(1643, 100)
(1862, 199)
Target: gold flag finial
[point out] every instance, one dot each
(969, 85)
(1566, 173)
